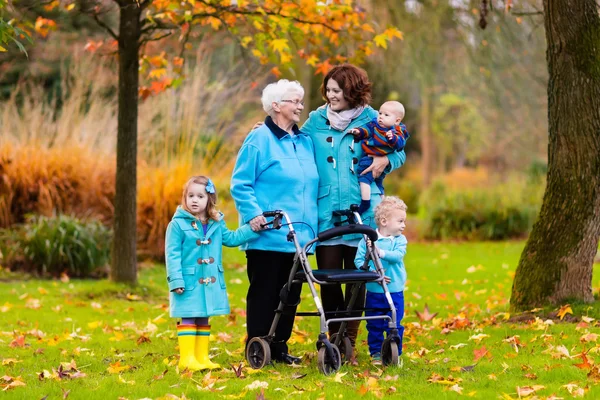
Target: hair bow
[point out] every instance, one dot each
(210, 187)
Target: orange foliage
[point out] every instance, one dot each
(75, 181)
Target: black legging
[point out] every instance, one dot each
(268, 271)
(332, 296)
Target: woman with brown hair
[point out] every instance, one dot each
(347, 92)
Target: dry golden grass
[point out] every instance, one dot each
(64, 162)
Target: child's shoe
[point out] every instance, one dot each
(201, 351)
(376, 359)
(186, 335)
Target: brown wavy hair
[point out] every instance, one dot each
(211, 205)
(353, 81)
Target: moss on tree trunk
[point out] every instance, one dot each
(557, 262)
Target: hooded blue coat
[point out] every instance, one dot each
(192, 256)
(337, 157)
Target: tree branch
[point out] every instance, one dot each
(520, 13)
(235, 10)
(105, 26)
(143, 41)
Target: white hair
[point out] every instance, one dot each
(275, 92)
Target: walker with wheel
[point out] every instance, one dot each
(330, 350)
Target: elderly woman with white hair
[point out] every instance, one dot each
(275, 170)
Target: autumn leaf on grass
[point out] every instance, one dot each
(478, 338)
(117, 368)
(574, 390)
(594, 373)
(8, 382)
(437, 378)
(19, 341)
(479, 353)
(133, 297)
(10, 361)
(514, 342)
(238, 370)
(224, 337)
(338, 377)
(257, 385)
(143, 339)
(589, 337)
(456, 388)
(564, 310)
(528, 390)
(126, 382)
(585, 364)
(425, 315)
(160, 376)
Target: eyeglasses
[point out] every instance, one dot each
(294, 102)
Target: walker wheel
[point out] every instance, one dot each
(326, 364)
(258, 353)
(389, 353)
(345, 346)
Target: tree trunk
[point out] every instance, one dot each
(124, 261)
(556, 264)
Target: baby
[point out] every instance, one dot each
(383, 135)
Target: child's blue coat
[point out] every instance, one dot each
(186, 247)
(392, 262)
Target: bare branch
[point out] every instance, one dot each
(520, 13)
(106, 27)
(155, 39)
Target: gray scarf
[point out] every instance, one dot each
(341, 120)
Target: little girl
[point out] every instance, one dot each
(197, 288)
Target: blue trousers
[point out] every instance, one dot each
(368, 178)
(376, 327)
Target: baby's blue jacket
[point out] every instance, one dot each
(276, 171)
(337, 157)
(190, 256)
(392, 262)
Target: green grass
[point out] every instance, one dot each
(96, 324)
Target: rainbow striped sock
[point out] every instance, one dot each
(202, 330)
(186, 330)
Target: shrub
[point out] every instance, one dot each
(56, 245)
(501, 212)
(61, 160)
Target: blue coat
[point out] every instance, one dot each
(338, 186)
(392, 262)
(276, 171)
(192, 256)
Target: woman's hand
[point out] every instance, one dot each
(179, 290)
(378, 166)
(257, 223)
(257, 125)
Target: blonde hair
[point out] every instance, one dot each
(387, 205)
(211, 205)
(397, 107)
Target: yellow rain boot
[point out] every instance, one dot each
(186, 335)
(202, 335)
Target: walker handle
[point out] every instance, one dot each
(268, 214)
(348, 230)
